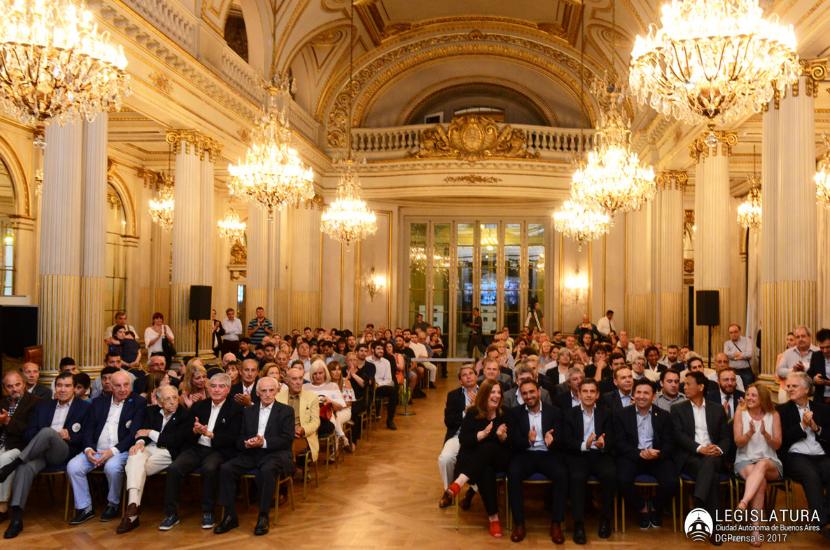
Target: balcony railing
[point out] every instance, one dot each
(171, 18)
(397, 142)
(242, 75)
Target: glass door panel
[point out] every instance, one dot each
(464, 295)
(536, 275)
(417, 271)
(442, 237)
(512, 276)
(489, 277)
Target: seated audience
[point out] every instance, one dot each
(643, 440)
(194, 386)
(82, 386)
(726, 393)
(244, 392)
(567, 394)
(669, 390)
(264, 445)
(384, 383)
(588, 432)
(31, 375)
(210, 442)
(15, 411)
(343, 416)
(513, 397)
(621, 396)
(54, 434)
(805, 445)
(158, 442)
(484, 451)
(819, 370)
(458, 401)
(306, 406)
(115, 419)
(331, 399)
(536, 439)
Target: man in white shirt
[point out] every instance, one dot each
(420, 350)
(385, 383)
(739, 350)
(606, 324)
(233, 332)
(114, 423)
(797, 358)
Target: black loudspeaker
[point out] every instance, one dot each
(200, 302)
(18, 329)
(707, 312)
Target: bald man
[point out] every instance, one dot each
(15, 410)
(31, 375)
(108, 436)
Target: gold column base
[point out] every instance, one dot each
(182, 327)
(93, 290)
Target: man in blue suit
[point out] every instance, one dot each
(54, 434)
(108, 437)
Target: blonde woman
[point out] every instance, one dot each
(193, 387)
(331, 398)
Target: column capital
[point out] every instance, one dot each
(194, 141)
(672, 179)
(816, 71)
(699, 149)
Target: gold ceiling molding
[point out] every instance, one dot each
(161, 82)
(471, 179)
(699, 149)
(201, 144)
(374, 74)
(672, 179)
(472, 138)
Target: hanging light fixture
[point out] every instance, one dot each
(231, 227)
(581, 222)
(713, 61)
(163, 205)
(613, 178)
(749, 211)
(349, 218)
(273, 173)
(55, 65)
(822, 177)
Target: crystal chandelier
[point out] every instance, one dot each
(273, 173)
(712, 61)
(749, 211)
(163, 205)
(231, 227)
(55, 65)
(581, 222)
(612, 178)
(822, 177)
(349, 218)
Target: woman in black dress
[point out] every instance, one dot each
(484, 451)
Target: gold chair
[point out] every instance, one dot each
(288, 480)
(642, 481)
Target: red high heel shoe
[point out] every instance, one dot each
(450, 494)
(495, 529)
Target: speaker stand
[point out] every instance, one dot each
(708, 348)
(196, 353)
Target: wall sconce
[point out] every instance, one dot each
(375, 282)
(576, 286)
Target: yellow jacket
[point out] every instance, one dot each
(309, 416)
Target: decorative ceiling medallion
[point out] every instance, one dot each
(161, 82)
(471, 179)
(472, 138)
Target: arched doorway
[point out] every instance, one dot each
(7, 240)
(115, 256)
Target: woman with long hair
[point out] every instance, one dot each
(484, 451)
(194, 385)
(757, 432)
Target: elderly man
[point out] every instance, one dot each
(15, 410)
(210, 442)
(306, 406)
(31, 375)
(109, 435)
(567, 395)
(55, 433)
(264, 446)
(797, 358)
(805, 445)
(157, 443)
(244, 391)
(418, 346)
(739, 350)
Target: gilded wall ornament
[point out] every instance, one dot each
(472, 138)
(471, 179)
(161, 82)
(239, 253)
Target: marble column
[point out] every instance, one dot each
(93, 274)
(187, 236)
(256, 287)
(669, 248)
(208, 234)
(304, 298)
(789, 227)
(25, 253)
(60, 243)
(714, 226)
(639, 287)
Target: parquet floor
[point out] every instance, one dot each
(384, 496)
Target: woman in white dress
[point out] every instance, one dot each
(757, 431)
(330, 396)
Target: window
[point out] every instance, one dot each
(7, 261)
(115, 260)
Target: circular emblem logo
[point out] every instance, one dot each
(76, 427)
(698, 525)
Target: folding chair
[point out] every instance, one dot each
(685, 480)
(288, 480)
(534, 479)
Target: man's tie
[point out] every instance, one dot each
(727, 408)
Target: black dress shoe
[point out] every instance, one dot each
(645, 521)
(14, 529)
(390, 425)
(604, 530)
(656, 518)
(81, 516)
(519, 533)
(7, 469)
(261, 525)
(111, 512)
(228, 522)
(579, 534)
(467, 501)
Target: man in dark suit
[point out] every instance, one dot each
(15, 410)
(211, 441)
(55, 432)
(264, 446)
(31, 375)
(620, 397)
(567, 394)
(475, 341)
(819, 371)
(165, 428)
(805, 445)
(701, 436)
(588, 431)
(457, 402)
(643, 443)
(695, 364)
(725, 393)
(536, 434)
(107, 440)
(513, 397)
(244, 391)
